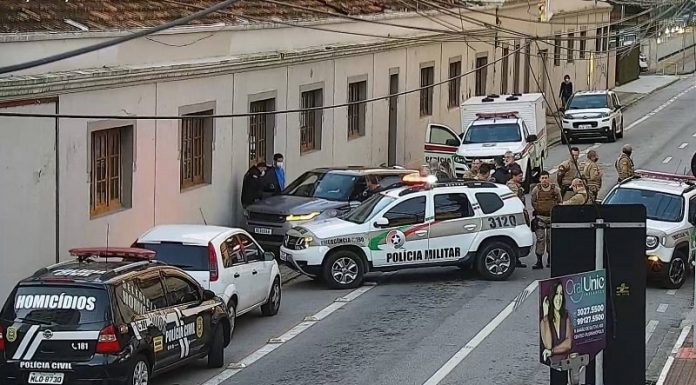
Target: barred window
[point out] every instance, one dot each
(557, 51)
(455, 70)
(571, 46)
(106, 171)
(427, 78)
(357, 91)
(583, 44)
(196, 136)
(311, 120)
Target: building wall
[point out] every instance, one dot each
(27, 194)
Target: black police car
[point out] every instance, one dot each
(112, 316)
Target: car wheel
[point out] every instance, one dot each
(271, 306)
(620, 134)
(233, 316)
(611, 137)
(496, 261)
(216, 354)
(676, 271)
(140, 372)
(343, 270)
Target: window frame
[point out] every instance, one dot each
(311, 121)
(193, 141)
(557, 50)
(259, 256)
(357, 113)
(224, 246)
(570, 47)
(427, 80)
(259, 125)
(454, 85)
(125, 161)
(172, 274)
(583, 44)
(470, 213)
(481, 206)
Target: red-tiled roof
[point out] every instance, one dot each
(103, 15)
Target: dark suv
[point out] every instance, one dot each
(111, 316)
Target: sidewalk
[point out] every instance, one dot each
(681, 365)
(287, 274)
(679, 64)
(628, 94)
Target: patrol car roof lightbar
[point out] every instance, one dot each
(665, 176)
(497, 115)
(130, 253)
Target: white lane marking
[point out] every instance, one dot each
(683, 145)
(662, 308)
(658, 109)
(459, 356)
(650, 329)
(670, 360)
(667, 159)
(671, 292)
(275, 343)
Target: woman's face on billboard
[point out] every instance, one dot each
(558, 298)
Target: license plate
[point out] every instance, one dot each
(284, 256)
(585, 126)
(263, 230)
(45, 378)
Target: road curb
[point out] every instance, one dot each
(288, 275)
(632, 102)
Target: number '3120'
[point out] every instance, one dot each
(502, 221)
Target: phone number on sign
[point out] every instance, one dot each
(590, 319)
(583, 311)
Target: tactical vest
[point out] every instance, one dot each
(516, 188)
(570, 174)
(546, 200)
(593, 184)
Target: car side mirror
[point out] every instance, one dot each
(531, 138)
(268, 256)
(208, 295)
(382, 222)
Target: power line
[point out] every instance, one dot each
(118, 40)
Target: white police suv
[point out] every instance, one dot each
(670, 202)
(459, 223)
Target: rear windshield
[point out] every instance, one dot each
(187, 257)
(57, 305)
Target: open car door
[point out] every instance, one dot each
(441, 142)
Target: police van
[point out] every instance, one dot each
(111, 316)
(461, 223)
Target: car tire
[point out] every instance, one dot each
(216, 353)
(139, 372)
(271, 307)
(611, 136)
(496, 260)
(620, 134)
(343, 270)
(232, 307)
(677, 271)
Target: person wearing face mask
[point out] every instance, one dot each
(580, 197)
(566, 90)
(275, 177)
(252, 185)
(624, 165)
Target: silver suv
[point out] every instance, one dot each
(319, 193)
(593, 114)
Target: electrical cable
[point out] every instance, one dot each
(115, 41)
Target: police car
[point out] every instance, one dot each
(461, 223)
(112, 316)
(670, 201)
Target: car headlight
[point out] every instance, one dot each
(651, 241)
(567, 116)
(459, 159)
(603, 115)
(302, 217)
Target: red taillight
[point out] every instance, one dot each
(212, 261)
(2, 338)
(108, 342)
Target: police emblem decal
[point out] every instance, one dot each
(199, 327)
(11, 334)
(396, 239)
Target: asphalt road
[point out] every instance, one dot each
(405, 326)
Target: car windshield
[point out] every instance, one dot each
(660, 206)
(187, 257)
(57, 305)
(324, 185)
(368, 209)
(582, 102)
(493, 133)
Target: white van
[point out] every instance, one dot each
(490, 126)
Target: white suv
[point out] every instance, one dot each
(670, 202)
(593, 114)
(463, 224)
(225, 260)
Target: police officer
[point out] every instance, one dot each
(545, 196)
(580, 197)
(593, 174)
(473, 170)
(624, 165)
(567, 172)
(515, 184)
